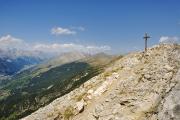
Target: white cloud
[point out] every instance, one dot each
(167, 39)
(62, 31)
(8, 42)
(8, 39)
(80, 28)
(71, 47)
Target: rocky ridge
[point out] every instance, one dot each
(139, 86)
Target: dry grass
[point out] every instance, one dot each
(115, 70)
(68, 113)
(79, 97)
(107, 74)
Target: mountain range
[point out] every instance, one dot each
(37, 86)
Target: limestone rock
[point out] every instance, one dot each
(170, 106)
(80, 106)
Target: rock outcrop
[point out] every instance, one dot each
(139, 86)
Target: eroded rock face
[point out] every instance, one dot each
(170, 105)
(139, 86)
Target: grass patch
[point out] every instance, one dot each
(68, 113)
(115, 70)
(80, 97)
(107, 74)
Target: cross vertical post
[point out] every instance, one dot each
(146, 37)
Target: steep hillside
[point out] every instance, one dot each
(139, 86)
(38, 86)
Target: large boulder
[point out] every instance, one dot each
(80, 106)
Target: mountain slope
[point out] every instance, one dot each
(139, 86)
(38, 86)
(62, 59)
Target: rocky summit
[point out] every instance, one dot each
(138, 86)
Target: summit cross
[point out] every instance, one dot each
(146, 37)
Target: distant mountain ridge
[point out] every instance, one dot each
(10, 66)
(63, 58)
(13, 61)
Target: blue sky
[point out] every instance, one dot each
(119, 24)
